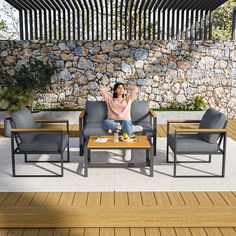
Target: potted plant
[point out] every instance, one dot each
(19, 90)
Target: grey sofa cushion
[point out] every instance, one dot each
(96, 111)
(187, 143)
(23, 119)
(45, 143)
(139, 111)
(96, 128)
(212, 119)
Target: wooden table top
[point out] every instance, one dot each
(139, 142)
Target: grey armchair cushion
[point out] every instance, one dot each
(94, 128)
(189, 143)
(45, 142)
(23, 119)
(212, 119)
(96, 111)
(140, 111)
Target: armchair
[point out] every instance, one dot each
(30, 138)
(208, 139)
(91, 119)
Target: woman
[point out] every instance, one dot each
(119, 108)
(119, 111)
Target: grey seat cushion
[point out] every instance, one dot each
(96, 111)
(212, 119)
(96, 128)
(187, 143)
(24, 119)
(45, 143)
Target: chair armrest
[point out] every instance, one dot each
(153, 114)
(82, 114)
(37, 130)
(54, 121)
(183, 121)
(201, 131)
(51, 121)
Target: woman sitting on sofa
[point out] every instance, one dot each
(119, 110)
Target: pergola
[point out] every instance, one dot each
(115, 19)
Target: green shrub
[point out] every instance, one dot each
(19, 90)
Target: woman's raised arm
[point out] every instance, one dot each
(104, 92)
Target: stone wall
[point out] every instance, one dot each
(164, 71)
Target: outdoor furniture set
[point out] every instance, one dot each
(28, 137)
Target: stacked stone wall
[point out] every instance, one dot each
(164, 71)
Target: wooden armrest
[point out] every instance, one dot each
(82, 114)
(153, 114)
(183, 121)
(51, 121)
(28, 130)
(201, 130)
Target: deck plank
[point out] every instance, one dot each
(213, 231)
(11, 199)
(167, 232)
(135, 199)
(61, 232)
(228, 231)
(53, 199)
(108, 199)
(3, 195)
(39, 199)
(189, 199)
(182, 232)
(76, 232)
(176, 199)
(121, 199)
(46, 232)
(203, 199)
(152, 232)
(3, 232)
(30, 232)
(15, 232)
(148, 199)
(25, 199)
(162, 199)
(137, 232)
(80, 199)
(94, 199)
(198, 232)
(217, 199)
(107, 232)
(91, 232)
(122, 232)
(229, 197)
(66, 199)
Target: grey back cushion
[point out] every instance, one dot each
(212, 119)
(96, 111)
(23, 119)
(140, 111)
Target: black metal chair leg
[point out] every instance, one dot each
(167, 153)
(209, 158)
(62, 169)
(175, 163)
(25, 157)
(68, 153)
(13, 165)
(155, 146)
(81, 150)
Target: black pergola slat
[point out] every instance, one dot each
(128, 19)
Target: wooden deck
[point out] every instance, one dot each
(113, 210)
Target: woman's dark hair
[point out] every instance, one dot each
(115, 87)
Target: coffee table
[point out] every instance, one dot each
(140, 142)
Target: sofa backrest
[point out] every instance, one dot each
(96, 111)
(212, 119)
